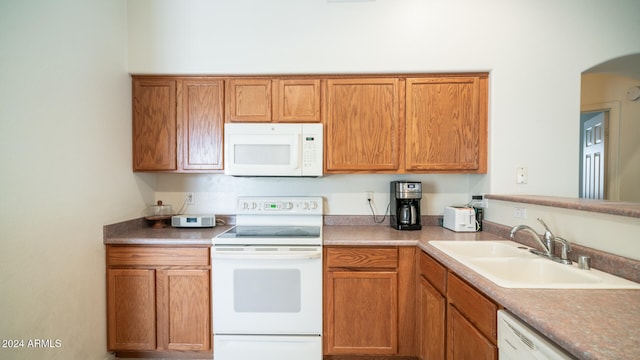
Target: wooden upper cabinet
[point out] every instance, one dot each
(201, 124)
(296, 100)
(362, 127)
(273, 99)
(446, 124)
(177, 124)
(154, 124)
(432, 123)
(248, 100)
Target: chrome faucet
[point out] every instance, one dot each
(546, 241)
(536, 236)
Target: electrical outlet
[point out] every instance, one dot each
(369, 195)
(520, 213)
(522, 176)
(191, 199)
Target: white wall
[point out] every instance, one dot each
(535, 51)
(614, 234)
(65, 123)
(343, 194)
(65, 155)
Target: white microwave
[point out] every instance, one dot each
(273, 149)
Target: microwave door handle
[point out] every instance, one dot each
(295, 155)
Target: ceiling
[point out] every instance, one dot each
(628, 66)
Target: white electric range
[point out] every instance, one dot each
(267, 281)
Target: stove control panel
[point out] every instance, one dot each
(299, 205)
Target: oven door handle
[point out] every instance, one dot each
(241, 255)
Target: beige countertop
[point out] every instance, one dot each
(590, 324)
(133, 234)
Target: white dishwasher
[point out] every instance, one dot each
(517, 341)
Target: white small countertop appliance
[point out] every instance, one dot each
(460, 219)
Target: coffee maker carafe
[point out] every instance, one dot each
(405, 205)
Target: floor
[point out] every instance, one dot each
(368, 357)
(326, 357)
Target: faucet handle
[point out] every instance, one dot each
(547, 234)
(565, 243)
(566, 247)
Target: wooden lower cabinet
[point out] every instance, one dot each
(456, 321)
(131, 299)
(365, 312)
(158, 300)
(465, 341)
(369, 301)
(183, 307)
(432, 321)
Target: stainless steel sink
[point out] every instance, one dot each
(511, 265)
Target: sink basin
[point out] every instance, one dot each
(511, 265)
(483, 248)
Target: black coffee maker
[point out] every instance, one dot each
(405, 205)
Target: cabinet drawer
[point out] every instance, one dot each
(157, 256)
(386, 258)
(479, 310)
(435, 273)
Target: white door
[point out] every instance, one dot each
(593, 177)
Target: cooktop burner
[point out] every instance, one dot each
(272, 232)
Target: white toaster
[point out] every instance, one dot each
(460, 219)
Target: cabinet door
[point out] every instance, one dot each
(465, 342)
(201, 123)
(362, 125)
(481, 311)
(184, 314)
(297, 100)
(248, 100)
(446, 124)
(131, 309)
(154, 124)
(432, 322)
(361, 312)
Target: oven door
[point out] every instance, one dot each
(267, 290)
